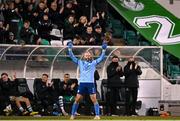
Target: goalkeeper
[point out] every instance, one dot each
(87, 68)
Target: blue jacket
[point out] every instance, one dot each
(87, 69)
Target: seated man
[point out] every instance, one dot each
(69, 88)
(48, 96)
(10, 91)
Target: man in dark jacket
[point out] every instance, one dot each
(46, 93)
(114, 72)
(44, 28)
(3, 33)
(131, 72)
(26, 33)
(51, 101)
(11, 93)
(69, 88)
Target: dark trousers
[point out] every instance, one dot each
(131, 99)
(111, 99)
(4, 101)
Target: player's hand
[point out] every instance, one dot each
(131, 67)
(118, 68)
(104, 45)
(136, 66)
(14, 76)
(72, 86)
(70, 45)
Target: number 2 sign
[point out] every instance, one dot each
(164, 33)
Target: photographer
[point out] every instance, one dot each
(131, 72)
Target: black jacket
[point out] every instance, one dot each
(66, 88)
(69, 30)
(131, 75)
(45, 92)
(26, 35)
(113, 76)
(3, 36)
(9, 88)
(56, 18)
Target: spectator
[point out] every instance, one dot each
(13, 18)
(88, 36)
(84, 7)
(131, 72)
(69, 9)
(108, 38)
(2, 11)
(101, 20)
(78, 40)
(3, 33)
(40, 10)
(98, 35)
(44, 28)
(11, 39)
(9, 89)
(69, 31)
(19, 4)
(28, 15)
(56, 15)
(27, 33)
(114, 83)
(80, 27)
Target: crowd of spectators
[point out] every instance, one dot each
(31, 22)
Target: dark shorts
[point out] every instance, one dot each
(86, 88)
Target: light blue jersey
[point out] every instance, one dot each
(87, 68)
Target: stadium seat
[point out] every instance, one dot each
(36, 96)
(23, 88)
(130, 37)
(57, 84)
(36, 81)
(57, 33)
(74, 80)
(174, 71)
(103, 89)
(117, 28)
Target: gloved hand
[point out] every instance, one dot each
(104, 45)
(70, 44)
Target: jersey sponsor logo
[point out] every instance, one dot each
(164, 32)
(132, 5)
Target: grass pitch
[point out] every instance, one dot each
(89, 118)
